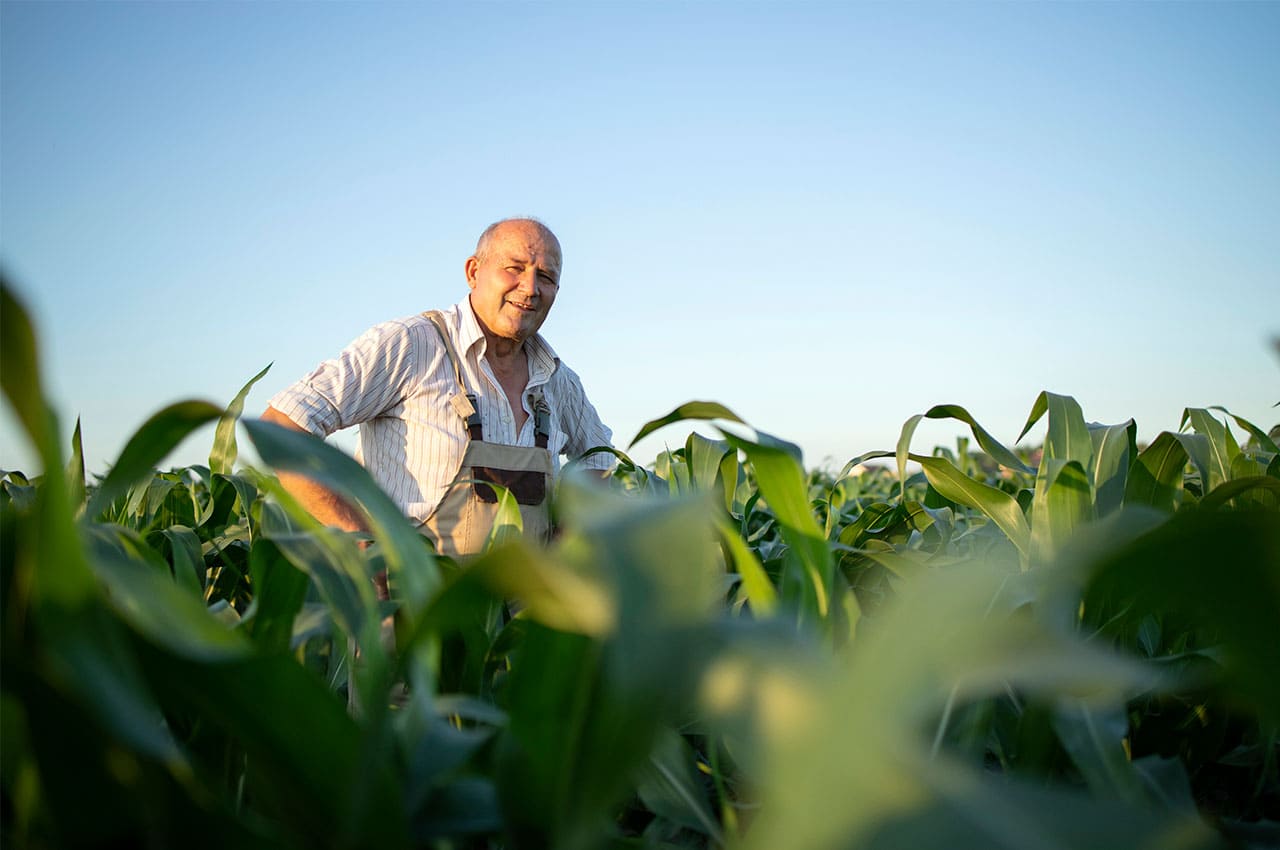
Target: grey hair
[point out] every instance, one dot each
(484, 245)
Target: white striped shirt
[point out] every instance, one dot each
(395, 382)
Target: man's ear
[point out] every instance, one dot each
(470, 268)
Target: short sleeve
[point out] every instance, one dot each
(581, 424)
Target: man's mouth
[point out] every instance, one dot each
(528, 308)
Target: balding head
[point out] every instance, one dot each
(484, 246)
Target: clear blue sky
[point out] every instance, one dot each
(828, 217)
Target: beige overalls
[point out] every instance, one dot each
(462, 522)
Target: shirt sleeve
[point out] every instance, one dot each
(582, 426)
(372, 375)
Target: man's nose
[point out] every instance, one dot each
(528, 282)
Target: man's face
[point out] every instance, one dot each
(514, 285)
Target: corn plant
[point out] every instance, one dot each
(1069, 648)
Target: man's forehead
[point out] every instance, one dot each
(528, 247)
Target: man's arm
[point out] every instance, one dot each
(321, 502)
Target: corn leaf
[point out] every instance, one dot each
(222, 457)
(989, 444)
(1155, 478)
(997, 505)
(1222, 448)
(1062, 503)
(148, 446)
(1114, 447)
(1264, 441)
(1068, 436)
(688, 410)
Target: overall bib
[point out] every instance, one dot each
(462, 522)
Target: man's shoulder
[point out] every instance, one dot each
(401, 326)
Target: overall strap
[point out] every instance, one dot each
(465, 400)
(541, 417)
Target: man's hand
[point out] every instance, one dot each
(321, 502)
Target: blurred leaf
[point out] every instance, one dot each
(333, 562)
(668, 785)
(188, 562)
(75, 471)
(411, 567)
(1094, 738)
(279, 592)
(222, 457)
(154, 605)
(1237, 602)
(305, 754)
(1229, 490)
(829, 784)
(20, 377)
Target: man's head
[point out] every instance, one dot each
(514, 276)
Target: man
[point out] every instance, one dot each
(450, 400)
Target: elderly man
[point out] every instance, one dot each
(450, 400)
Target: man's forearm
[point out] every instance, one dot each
(321, 502)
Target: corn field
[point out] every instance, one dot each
(978, 647)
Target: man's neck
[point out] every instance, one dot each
(503, 351)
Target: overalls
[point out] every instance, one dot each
(462, 522)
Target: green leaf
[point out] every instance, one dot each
(1061, 504)
(20, 377)
(187, 559)
(1094, 738)
(989, 444)
(75, 471)
(1236, 601)
(307, 759)
(411, 567)
(154, 605)
(668, 785)
(785, 489)
(279, 592)
(903, 450)
(79, 637)
(1155, 478)
(222, 457)
(1220, 445)
(1197, 448)
(148, 446)
(996, 505)
(1264, 441)
(688, 410)
(705, 458)
(1068, 437)
(1229, 490)
(1114, 447)
(756, 586)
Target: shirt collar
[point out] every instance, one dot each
(543, 360)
